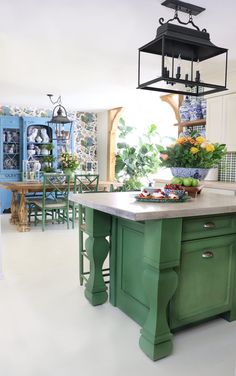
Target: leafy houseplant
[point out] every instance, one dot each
(136, 162)
(47, 148)
(47, 163)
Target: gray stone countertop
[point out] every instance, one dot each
(124, 204)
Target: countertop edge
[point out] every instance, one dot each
(182, 212)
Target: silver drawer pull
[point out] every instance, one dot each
(209, 225)
(207, 254)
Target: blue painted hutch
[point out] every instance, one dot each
(16, 145)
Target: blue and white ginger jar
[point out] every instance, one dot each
(184, 110)
(195, 109)
(204, 107)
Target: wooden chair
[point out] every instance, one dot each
(54, 202)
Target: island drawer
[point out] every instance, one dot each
(207, 226)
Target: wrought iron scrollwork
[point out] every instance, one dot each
(176, 18)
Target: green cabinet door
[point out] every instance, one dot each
(206, 282)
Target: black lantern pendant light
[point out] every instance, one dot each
(59, 120)
(181, 52)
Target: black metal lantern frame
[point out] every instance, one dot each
(59, 120)
(182, 44)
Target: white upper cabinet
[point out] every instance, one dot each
(221, 120)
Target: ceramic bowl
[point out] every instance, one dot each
(178, 192)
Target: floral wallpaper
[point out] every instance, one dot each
(85, 131)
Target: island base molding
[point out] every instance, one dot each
(165, 274)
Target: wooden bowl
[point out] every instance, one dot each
(193, 191)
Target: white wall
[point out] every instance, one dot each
(231, 82)
(102, 140)
(1, 272)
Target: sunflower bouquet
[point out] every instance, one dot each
(191, 151)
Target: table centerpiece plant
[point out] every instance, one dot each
(69, 163)
(192, 156)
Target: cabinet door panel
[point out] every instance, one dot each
(205, 280)
(221, 120)
(229, 121)
(10, 138)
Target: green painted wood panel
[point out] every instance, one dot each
(205, 284)
(130, 296)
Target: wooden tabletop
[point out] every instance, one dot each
(38, 186)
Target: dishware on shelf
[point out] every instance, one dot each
(15, 136)
(44, 135)
(11, 149)
(31, 153)
(8, 136)
(33, 135)
(10, 164)
(38, 139)
(45, 151)
(31, 170)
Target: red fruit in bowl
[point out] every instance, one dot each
(174, 187)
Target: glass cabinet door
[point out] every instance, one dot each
(11, 149)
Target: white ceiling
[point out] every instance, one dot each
(86, 50)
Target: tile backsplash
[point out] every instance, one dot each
(227, 168)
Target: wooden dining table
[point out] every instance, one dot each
(19, 189)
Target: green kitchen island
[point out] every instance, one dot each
(171, 264)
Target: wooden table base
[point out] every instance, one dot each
(14, 209)
(23, 225)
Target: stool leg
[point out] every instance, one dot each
(43, 219)
(73, 216)
(81, 247)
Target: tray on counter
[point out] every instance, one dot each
(163, 200)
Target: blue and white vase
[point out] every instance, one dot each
(185, 172)
(195, 109)
(204, 107)
(184, 110)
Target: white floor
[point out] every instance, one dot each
(47, 328)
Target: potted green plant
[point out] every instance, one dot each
(46, 149)
(192, 156)
(48, 163)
